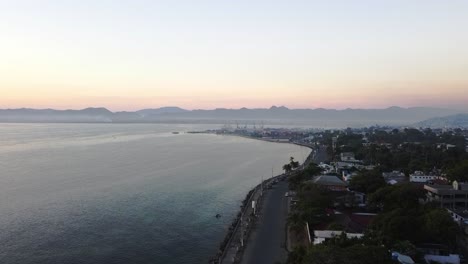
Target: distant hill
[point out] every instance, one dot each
(459, 120)
(93, 115)
(161, 111)
(275, 115)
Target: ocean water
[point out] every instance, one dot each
(124, 193)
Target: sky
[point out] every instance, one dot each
(205, 54)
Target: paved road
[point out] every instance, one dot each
(267, 244)
(321, 155)
(235, 245)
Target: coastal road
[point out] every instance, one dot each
(321, 155)
(267, 244)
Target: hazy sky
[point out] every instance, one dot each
(132, 54)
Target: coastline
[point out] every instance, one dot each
(256, 192)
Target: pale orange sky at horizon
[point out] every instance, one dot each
(130, 55)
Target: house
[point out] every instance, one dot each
(450, 146)
(448, 259)
(459, 215)
(445, 146)
(333, 183)
(403, 259)
(394, 177)
(321, 235)
(356, 222)
(346, 165)
(448, 196)
(347, 156)
(419, 176)
(326, 168)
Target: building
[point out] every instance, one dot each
(402, 259)
(448, 196)
(326, 168)
(321, 235)
(448, 259)
(419, 176)
(333, 183)
(394, 177)
(460, 216)
(347, 156)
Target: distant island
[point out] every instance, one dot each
(424, 116)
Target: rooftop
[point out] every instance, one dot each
(444, 189)
(328, 180)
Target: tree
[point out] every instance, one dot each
(459, 172)
(294, 164)
(297, 255)
(404, 196)
(312, 169)
(296, 222)
(405, 247)
(367, 182)
(440, 227)
(405, 219)
(354, 254)
(287, 168)
(397, 225)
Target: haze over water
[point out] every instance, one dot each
(87, 193)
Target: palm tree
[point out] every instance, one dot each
(294, 164)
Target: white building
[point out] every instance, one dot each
(419, 176)
(321, 235)
(450, 259)
(394, 177)
(326, 168)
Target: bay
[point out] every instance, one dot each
(124, 193)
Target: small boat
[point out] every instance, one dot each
(218, 216)
(175, 132)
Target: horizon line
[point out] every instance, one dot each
(222, 108)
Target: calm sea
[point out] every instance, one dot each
(107, 193)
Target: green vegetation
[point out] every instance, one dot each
(406, 150)
(292, 165)
(367, 181)
(301, 176)
(403, 222)
(341, 250)
(313, 200)
(287, 168)
(459, 172)
(404, 218)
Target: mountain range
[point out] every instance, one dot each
(459, 120)
(275, 115)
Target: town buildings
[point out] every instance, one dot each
(448, 196)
